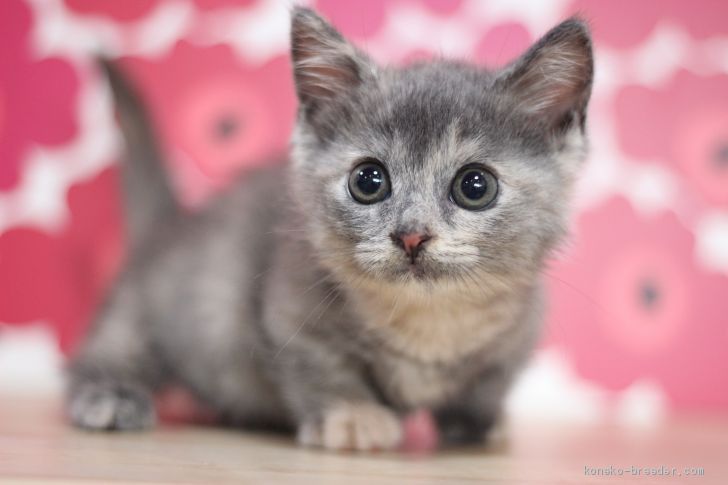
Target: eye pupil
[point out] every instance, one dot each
(474, 186)
(370, 179)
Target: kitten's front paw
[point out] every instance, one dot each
(353, 426)
(107, 407)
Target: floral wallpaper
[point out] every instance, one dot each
(639, 294)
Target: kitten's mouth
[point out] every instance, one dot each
(403, 270)
(416, 270)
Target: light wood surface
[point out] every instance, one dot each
(37, 446)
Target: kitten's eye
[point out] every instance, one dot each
(474, 187)
(369, 182)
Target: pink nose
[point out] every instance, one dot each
(411, 242)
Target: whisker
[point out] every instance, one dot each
(305, 320)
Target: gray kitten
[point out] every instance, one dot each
(393, 265)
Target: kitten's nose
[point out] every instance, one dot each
(411, 242)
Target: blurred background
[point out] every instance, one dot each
(638, 324)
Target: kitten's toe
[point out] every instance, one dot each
(353, 426)
(107, 407)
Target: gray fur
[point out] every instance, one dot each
(286, 303)
(148, 198)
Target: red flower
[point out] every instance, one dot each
(502, 44)
(216, 114)
(133, 10)
(629, 303)
(498, 46)
(213, 4)
(622, 23)
(684, 123)
(126, 11)
(37, 98)
(361, 19)
(356, 19)
(442, 7)
(60, 277)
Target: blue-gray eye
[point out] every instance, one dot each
(369, 182)
(474, 187)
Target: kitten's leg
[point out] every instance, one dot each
(472, 416)
(332, 404)
(112, 377)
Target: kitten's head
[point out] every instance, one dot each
(440, 171)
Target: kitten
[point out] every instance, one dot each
(393, 265)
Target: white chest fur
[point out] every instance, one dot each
(428, 333)
(435, 327)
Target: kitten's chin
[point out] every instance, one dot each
(418, 273)
(397, 272)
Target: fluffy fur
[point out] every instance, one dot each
(286, 303)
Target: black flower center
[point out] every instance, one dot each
(720, 157)
(226, 127)
(649, 294)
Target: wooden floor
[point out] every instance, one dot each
(36, 446)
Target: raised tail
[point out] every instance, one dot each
(148, 197)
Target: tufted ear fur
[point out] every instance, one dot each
(552, 81)
(325, 65)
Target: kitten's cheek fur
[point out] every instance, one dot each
(360, 426)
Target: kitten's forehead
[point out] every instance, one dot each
(423, 102)
(437, 111)
(447, 148)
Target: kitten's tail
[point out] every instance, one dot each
(148, 197)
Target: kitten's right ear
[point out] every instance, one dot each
(325, 65)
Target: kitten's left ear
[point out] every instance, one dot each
(552, 81)
(325, 65)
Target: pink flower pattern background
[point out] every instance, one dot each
(639, 293)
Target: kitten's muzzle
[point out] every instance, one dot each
(412, 243)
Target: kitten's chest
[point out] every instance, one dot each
(409, 385)
(429, 344)
(436, 328)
